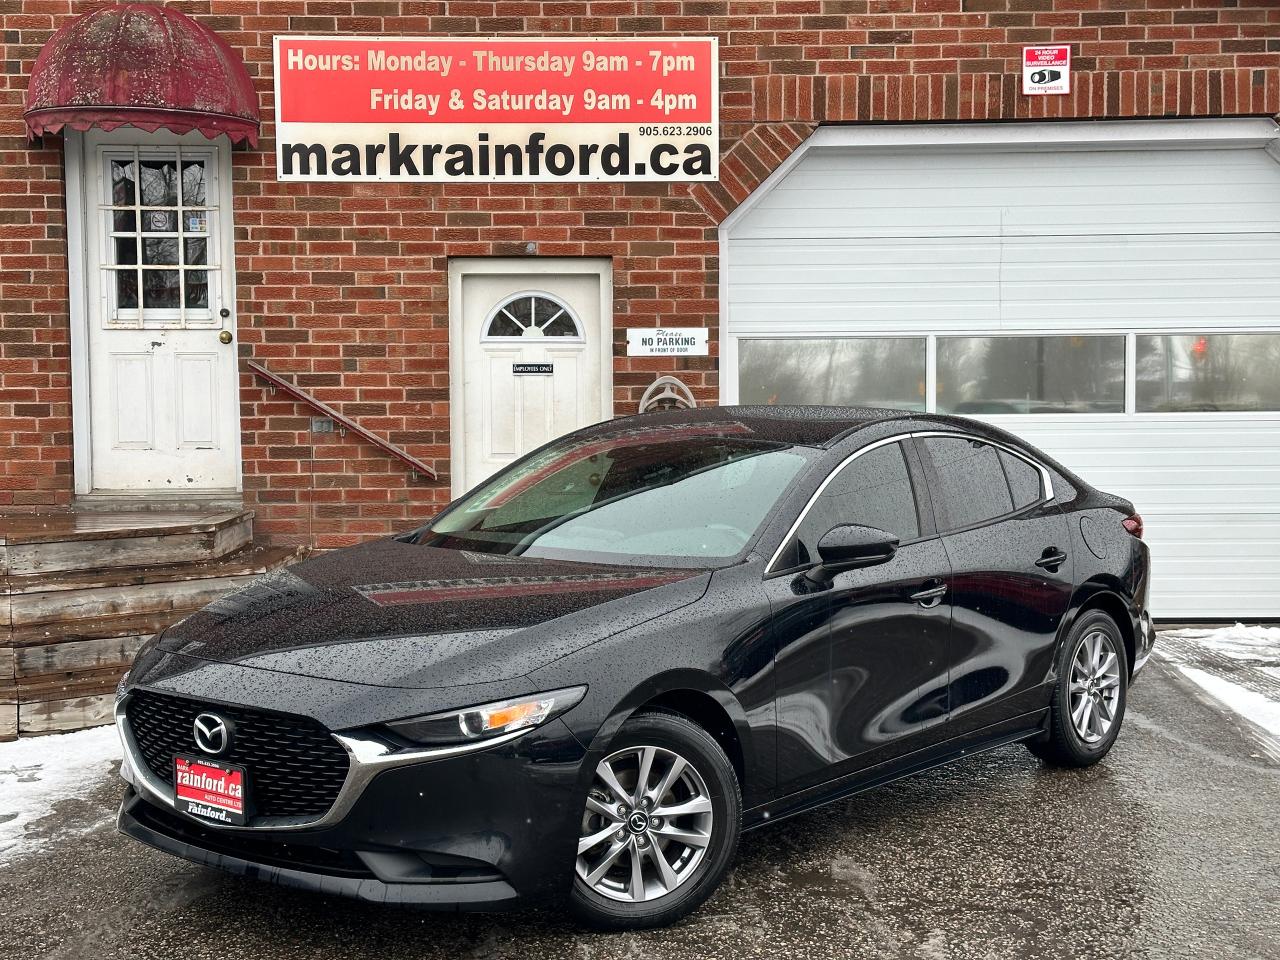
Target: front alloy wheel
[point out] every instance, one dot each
(659, 826)
(647, 824)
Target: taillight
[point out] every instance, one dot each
(1133, 525)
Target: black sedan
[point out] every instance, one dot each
(583, 680)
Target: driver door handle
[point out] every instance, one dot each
(931, 596)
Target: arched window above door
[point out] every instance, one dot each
(532, 314)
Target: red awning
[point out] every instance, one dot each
(145, 66)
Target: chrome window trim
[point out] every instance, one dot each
(368, 757)
(835, 472)
(1046, 479)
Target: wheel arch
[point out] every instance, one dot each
(700, 698)
(1107, 598)
(706, 711)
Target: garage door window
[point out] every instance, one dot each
(1062, 374)
(856, 371)
(1208, 372)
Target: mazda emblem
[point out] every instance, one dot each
(212, 734)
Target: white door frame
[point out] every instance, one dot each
(460, 267)
(1063, 135)
(83, 283)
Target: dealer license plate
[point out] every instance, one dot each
(210, 791)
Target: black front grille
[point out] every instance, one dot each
(295, 767)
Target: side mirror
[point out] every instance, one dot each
(849, 546)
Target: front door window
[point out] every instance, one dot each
(159, 217)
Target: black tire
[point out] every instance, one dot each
(670, 732)
(1064, 745)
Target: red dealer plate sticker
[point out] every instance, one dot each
(210, 791)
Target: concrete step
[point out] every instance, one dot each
(85, 541)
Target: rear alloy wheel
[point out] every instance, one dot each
(1093, 688)
(1089, 695)
(659, 826)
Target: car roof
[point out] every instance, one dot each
(815, 426)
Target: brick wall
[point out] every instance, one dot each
(35, 384)
(343, 286)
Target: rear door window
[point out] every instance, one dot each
(1024, 480)
(973, 488)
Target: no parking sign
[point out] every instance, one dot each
(1046, 70)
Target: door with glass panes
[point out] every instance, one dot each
(163, 406)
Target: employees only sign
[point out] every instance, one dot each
(519, 109)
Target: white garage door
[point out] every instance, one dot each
(1110, 292)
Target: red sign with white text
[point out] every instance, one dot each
(211, 791)
(459, 108)
(1046, 70)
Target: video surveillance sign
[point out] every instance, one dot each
(1046, 70)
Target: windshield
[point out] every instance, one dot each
(656, 495)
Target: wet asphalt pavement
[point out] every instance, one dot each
(1169, 848)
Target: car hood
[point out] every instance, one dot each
(398, 614)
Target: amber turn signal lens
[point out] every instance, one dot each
(507, 716)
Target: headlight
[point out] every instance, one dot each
(488, 720)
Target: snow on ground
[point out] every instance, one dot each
(37, 772)
(1238, 666)
(1240, 642)
(1261, 711)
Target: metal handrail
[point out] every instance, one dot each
(346, 422)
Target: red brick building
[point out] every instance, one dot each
(345, 289)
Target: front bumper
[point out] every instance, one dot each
(320, 872)
(480, 830)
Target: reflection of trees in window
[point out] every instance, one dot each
(865, 371)
(152, 245)
(1208, 372)
(1031, 374)
(193, 183)
(159, 181)
(122, 183)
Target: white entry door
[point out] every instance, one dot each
(162, 400)
(530, 346)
